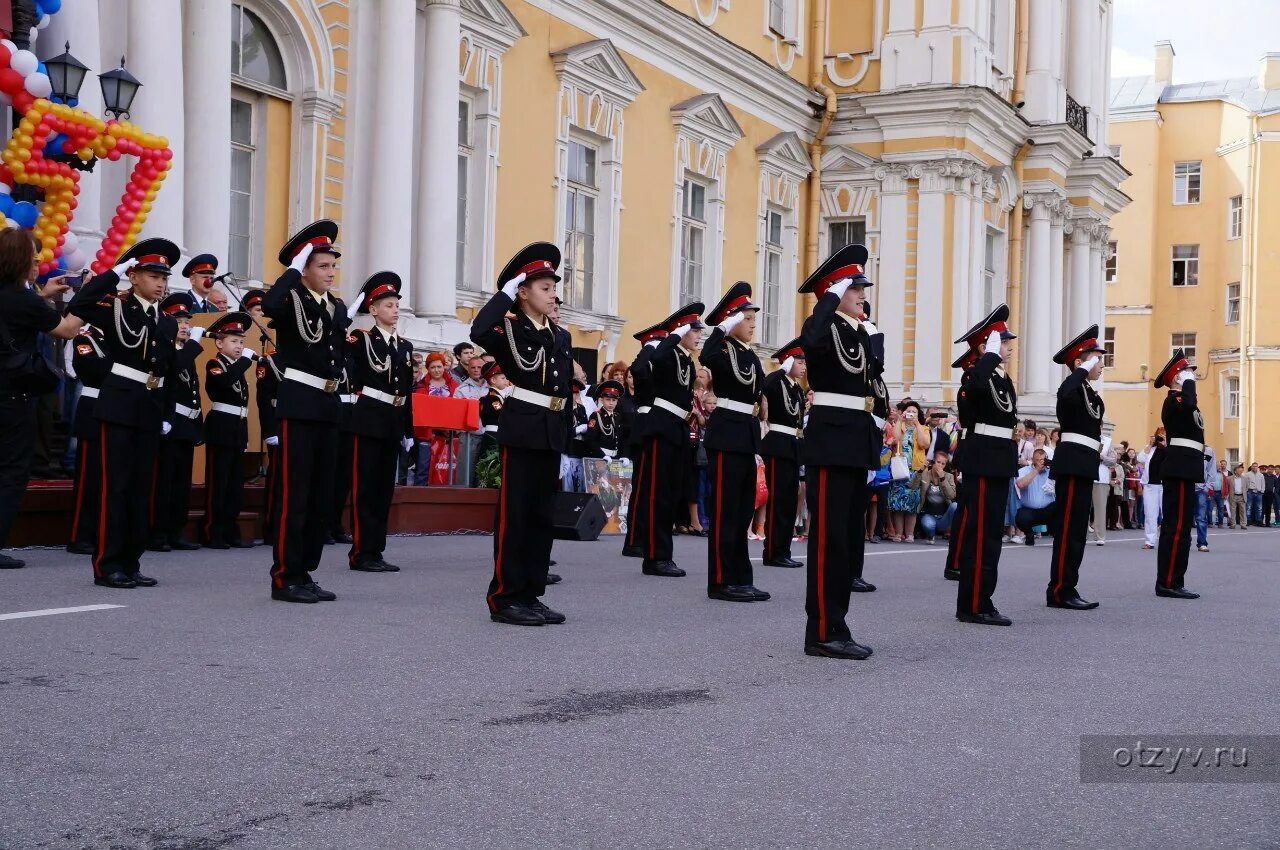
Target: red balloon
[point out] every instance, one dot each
(22, 100)
(166, 154)
(5, 56)
(113, 154)
(10, 80)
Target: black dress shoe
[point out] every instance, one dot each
(1074, 604)
(77, 549)
(860, 586)
(116, 579)
(1176, 593)
(733, 593)
(320, 593)
(988, 618)
(760, 595)
(662, 568)
(143, 581)
(551, 563)
(242, 544)
(294, 593)
(551, 618)
(217, 544)
(951, 575)
(517, 615)
(10, 563)
(388, 568)
(632, 552)
(159, 546)
(789, 563)
(554, 578)
(341, 536)
(181, 545)
(370, 566)
(838, 649)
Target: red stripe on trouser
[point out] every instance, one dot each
(84, 447)
(1062, 537)
(282, 451)
(719, 527)
(1177, 534)
(273, 459)
(977, 561)
(957, 528)
(501, 531)
(355, 498)
(102, 500)
(653, 492)
(822, 553)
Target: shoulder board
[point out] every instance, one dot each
(215, 369)
(84, 348)
(262, 372)
(351, 337)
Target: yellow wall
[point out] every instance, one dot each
(275, 219)
(744, 24)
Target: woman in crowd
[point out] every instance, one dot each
(911, 442)
(1132, 486)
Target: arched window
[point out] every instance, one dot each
(254, 54)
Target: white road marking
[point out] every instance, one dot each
(49, 612)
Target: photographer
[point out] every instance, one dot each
(938, 496)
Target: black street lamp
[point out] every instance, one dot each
(118, 90)
(66, 74)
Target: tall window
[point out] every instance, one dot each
(693, 236)
(254, 55)
(465, 151)
(1186, 265)
(1186, 183)
(1113, 262)
(772, 312)
(1186, 340)
(1235, 217)
(778, 16)
(580, 226)
(1233, 303)
(1231, 397)
(1109, 343)
(843, 233)
(992, 291)
(243, 154)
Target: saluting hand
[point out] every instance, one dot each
(840, 286)
(871, 329)
(787, 364)
(731, 322)
(300, 261)
(1090, 363)
(1184, 376)
(125, 266)
(993, 342)
(510, 288)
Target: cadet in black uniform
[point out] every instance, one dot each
(1075, 466)
(533, 430)
(669, 369)
(637, 528)
(575, 481)
(1182, 470)
(780, 448)
(605, 433)
(182, 431)
(346, 449)
(199, 272)
(265, 396)
(141, 343)
(989, 461)
(490, 410)
(226, 432)
(381, 364)
(91, 364)
(841, 446)
(311, 325)
(732, 441)
(964, 413)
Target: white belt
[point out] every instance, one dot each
(188, 412)
(964, 432)
(491, 429)
(88, 392)
(736, 406)
(663, 404)
(326, 384)
(347, 398)
(644, 409)
(845, 402)
(1081, 440)
(273, 402)
(609, 453)
(385, 398)
(1186, 444)
(146, 378)
(993, 430)
(784, 429)
(230, 409)
(553, 403)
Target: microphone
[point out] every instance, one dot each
(224, 276)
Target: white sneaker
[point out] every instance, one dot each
(1006, 539)
(1102, 543)
(1018, 538)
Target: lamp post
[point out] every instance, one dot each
(119, 87)
(66, 74)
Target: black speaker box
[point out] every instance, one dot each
(577, 516)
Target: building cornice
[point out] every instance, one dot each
(977, 115)
(1136, 117)
(1056, 147)
(1098, 178)
(1129, 310)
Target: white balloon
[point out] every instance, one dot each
(70, 242)
(76, 260)
(13, 48)
(44, 22)
(38, 85)
(33, 35)
(24, 62)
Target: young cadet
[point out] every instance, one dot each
(841, 447)
(990, 460)
(1183, 469)
(605, 432)
(573, 481)
(142, 345)
(491, 409)
(964, 413)
(92, 365)
(311, 326)
(637, 528)
(533, 430)
(1075, 466)
(732, 441)
(780, 448)
(226, 432)
(199, 272)
(381, 364)
(181, 431)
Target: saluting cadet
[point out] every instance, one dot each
(641, 374)
(1075, 466)
(182, 431)
(381, 364)
(780, 448)
(605, 429)
(199, 272)
(964, 413)
(533, 430)
(91, 365)
(669, 370)
(840, 449)
(311, 325)
(141, 343)
(1183, 469)
(226, 432)
(732, 441)
(491, 410)
(989, 461)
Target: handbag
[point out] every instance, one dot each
(898, 469)
(25, 373)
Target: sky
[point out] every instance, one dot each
(1212, 41)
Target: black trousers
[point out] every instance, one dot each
(837, 500)
(342, 480)
(1028, 518)
(522, 531)
(983, 526)
(1175, 532)
(308, 452)
(956, 537)
(373, 483)
(731, 506)
(1072, 503)
(637, 515)
(88, 489)
(17, 436)
(661, 500)
(171, 493)
(1266, 507)
(128, 458)
(271, 493)
(223, 494)
(783, 477)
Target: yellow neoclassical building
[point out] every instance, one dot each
(1193, 259)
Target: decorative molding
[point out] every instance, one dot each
(959, 113)
(597, 66)
(863, 60)
(786, 154)
(789, 46)
(1051, 200)
(706, 116)
(1129, 310)
(491, 20)
(784, 165)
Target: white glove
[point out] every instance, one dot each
(273, 441)
(407, 442)
(993, 342)
(787, 364)
(653, 343)
(354, 308)
(300, 261)
(840, 287)
(871, 475)
(195, 332)
(731, 322)
(580, 430)
(509, 288)
(1184, 376)
(250, 353)
(872, 330)
(681, 330)
(165, 428)
(1090, 363)
(125, 266)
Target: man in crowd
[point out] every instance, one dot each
(218, 301)
(1218, 497)
(1036, 493)
(1152, 462)
(1204, 498)
(463, 353)
(1236, 484)
(1255, 483)
(937, 489)
(199, 272)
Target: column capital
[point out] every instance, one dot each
(892, 178)
(1100, 234)
(319, 107)
(1051, 203)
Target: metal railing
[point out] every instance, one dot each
(1077, 117)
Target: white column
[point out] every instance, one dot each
(1057, 287)
(890, 303)
(1035, 332)
(1101, 84)
(961, 261)
(1080, 295)
(1082, 51)
(437, 225)
(978, 260)
(155, 58)
(1098, 276)
(1041, 87)
(206, 34)
(931, 238)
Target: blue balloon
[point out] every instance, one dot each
(42, 69)
(61, 264)
(50, 7)
(25, 214)
(6, 205)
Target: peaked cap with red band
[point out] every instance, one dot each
(652, 332)
(850, 261)
(379, 285)
(607, 389)
(180, 305)
(231, 324)
(200, 263)
(490, 369)
(1085, 343)
(996, 320)
(736, 300)
(1176, 364)
(153, 255)
(252, 298)
(791, 349)
(535, 261)
(320, 235)
(967, 360)
(689, 314)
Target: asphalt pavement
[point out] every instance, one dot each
(201, 714)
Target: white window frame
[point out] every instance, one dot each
(690, 225)
(1190, 274)
(852, 222)
(575, 189)
(992, 259)
(1232, 302)
(1178, 339)
(1111, 263)
(466, 167)
(777, 17)
(1231, 396)
(1109, 344)
(1115, 151)
(784, 167)
(1183, 188)
(1235, 217)
(256, 101)
(771, 330)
